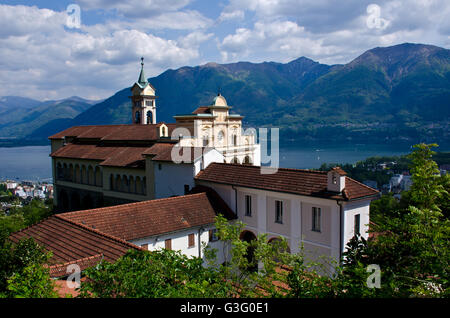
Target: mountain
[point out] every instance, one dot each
(393, 93)
(11, 102)
(402, 91)
(23, 116)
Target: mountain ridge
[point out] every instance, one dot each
(400, 92)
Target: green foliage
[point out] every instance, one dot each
(413, 236)
(33, 282)
(162, 273)
(426, 191)
(21, 217)
(22, 272)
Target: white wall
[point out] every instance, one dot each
(171, 177)
(297, 223)
(350, 210)
(180, 242)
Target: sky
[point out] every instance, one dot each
(92, 48)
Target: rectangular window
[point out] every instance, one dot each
(191, 240)
(357, 224)
(278, 211)
(316, 219)
(248, 205)
(148, 103)
(213, 235)
(168, 244)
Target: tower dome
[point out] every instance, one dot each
(219, 100)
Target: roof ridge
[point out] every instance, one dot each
(259, 167)
(362, 184)
(59, 216)
(75, 261)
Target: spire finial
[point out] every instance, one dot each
(142, 79)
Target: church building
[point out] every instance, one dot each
(102, 165)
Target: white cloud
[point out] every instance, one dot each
(44, 59)
(135, 8)
(232, 15)
(330, 32)
(151, 14)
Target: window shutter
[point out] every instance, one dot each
(191, 240)
(168, 244)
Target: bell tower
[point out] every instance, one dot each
(143, 100)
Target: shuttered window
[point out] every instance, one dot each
(168, 244)
(316, 219)
(191, 240)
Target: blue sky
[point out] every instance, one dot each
(45, 54)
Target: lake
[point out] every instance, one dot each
(34, 163)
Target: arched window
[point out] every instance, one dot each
(234, 140)
(137, 117)
(149, 117)
(59, 171)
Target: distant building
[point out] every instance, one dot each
(406, 183)
(395, 180)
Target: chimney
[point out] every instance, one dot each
(336, 180)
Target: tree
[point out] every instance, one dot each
(22, 270)
(413, 237)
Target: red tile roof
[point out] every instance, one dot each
(149, 218)
(114, 132)
(163, 152)
(130, 157)
(72, 243)
(202, 110)
(295, 181)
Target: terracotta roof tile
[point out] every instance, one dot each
(202, 110)
(296, 181)
(72, 243)
(114, 132)
(130, 157)
(163, 152)
(148, 218)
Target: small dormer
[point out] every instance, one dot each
(336, 180)
(163, 131)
